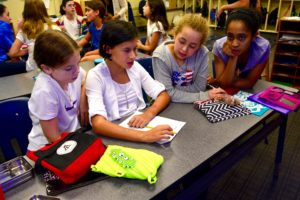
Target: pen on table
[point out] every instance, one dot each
(151, 127)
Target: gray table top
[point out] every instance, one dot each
(22, 84)
(197, 141)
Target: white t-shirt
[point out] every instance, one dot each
(72, 27)
(153, 27)
(30, 63)
(48, 100)
(127, 98)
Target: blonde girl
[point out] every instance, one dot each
(181, 65)
(35, 21)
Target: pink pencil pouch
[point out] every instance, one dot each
(281, 97)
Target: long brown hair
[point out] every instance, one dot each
(53, 48)
(34, 16)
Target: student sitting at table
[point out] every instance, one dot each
(58, 95)
(70, 22)
(181, 65)
(96, 14)
(114, 88)
(242, 55)
(35, 21)
(157, 25)
(8, 66)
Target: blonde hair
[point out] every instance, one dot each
(35, 15)
(196, 22)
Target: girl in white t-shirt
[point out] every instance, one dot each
(35, 21)
(114, 88)
(58, 95)
(70, 22)
(157, 25)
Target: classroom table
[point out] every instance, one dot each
(188, 158)
(21, 84)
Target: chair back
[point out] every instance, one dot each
(213, 68)
(130, 13)
(15, 127)
(147, 64)
(78, 8)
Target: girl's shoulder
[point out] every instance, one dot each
(162, 49)
(262, 43)
(44, 85)
(101, 70)
(60, 20)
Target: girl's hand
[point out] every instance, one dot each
(158, 133)
(62, 28)
(19, 24)
(213, 93)
(227, 49)
(140, 121)
(139, 44)
(228, 99)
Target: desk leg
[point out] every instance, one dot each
(280, 144)
(281, 137)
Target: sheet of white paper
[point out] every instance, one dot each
(158, 120)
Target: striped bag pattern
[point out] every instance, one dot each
(216, 111)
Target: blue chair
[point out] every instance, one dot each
(130, 14)
(15, 127)
(147, 64)
(213, 69)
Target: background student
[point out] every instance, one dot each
(117, 8)
(35, 21)
(58, 95)
(157, 25)
(70, 22)
(95, 12)
(7, 37)
(241, 56)
(235, 4)
(181, 65)
(114, 88)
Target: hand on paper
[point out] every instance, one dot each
(140, 120)
(158, 133)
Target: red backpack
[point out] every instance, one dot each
(71, 156)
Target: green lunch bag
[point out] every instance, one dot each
(118, 161)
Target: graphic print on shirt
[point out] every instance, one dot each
(70, 107)
(183, 78)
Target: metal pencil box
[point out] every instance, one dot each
(15, 172)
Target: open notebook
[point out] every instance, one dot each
(158, 120)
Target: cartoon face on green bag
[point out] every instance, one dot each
(123, 159)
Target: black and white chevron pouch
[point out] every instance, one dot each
(216, 111)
